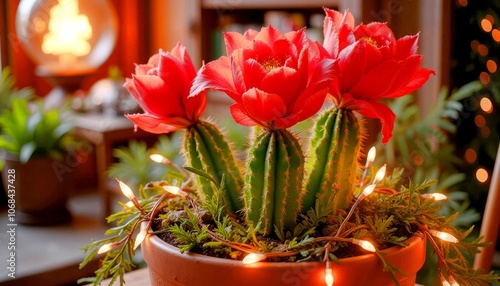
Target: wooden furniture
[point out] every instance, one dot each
(136, 278)
(491, 220)
(105, 132)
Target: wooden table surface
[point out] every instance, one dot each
(135, 278)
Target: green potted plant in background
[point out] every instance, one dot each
(34, 143)
(287, 216)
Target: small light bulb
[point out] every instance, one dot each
(380, 174)
(253, 258)
(126, 190)
(157, 158)
(368, 190)
(140, 237)
(435, 196)
(452, 280)
(106, 247)
(443, 280)
(175, 190)
(366, 245)
(329, 277)
(444, 236)
(371, 156)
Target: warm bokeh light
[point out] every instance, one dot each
(484, 77)
(479, 120)
(482, 175)
(486, 105)
(496, 35)
(482, 50)
(486, 25)
(491, 66)
(463, 3)
(485, 131)
(418, 160)
(470, 156)
(253, 258)
(473, 45)
(490, 18)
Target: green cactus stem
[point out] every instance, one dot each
(207, 150)
(273, 182)
(334, 159)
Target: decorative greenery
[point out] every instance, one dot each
(8, 92)
(134, 165)
(27, 133)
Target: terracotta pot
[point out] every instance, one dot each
(167, 266)
(41, 190)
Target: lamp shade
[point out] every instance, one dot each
(66, 38)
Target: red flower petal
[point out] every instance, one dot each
(216, 75)
(153, 94)
(380, 111)
(263, 106)
(377, 81)
(235, 41)
(241, 117)
(284, 82)
(406, 46)
(158, 125)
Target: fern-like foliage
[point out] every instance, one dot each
(422, 146)
(134, 166)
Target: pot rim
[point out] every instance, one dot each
(415, 239)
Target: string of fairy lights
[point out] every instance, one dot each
(254, 255)
(484, 49)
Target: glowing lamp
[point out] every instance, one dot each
(67, 39)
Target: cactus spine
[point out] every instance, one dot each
(207, 150)
(334, 158)
(273, 182)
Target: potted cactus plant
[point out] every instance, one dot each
(287, 215)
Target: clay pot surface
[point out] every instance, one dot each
(167, 266)
(41, 188)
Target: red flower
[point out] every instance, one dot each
(161, 87)
(372, 65)
(276, 79)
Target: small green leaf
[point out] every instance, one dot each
(26, 152)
